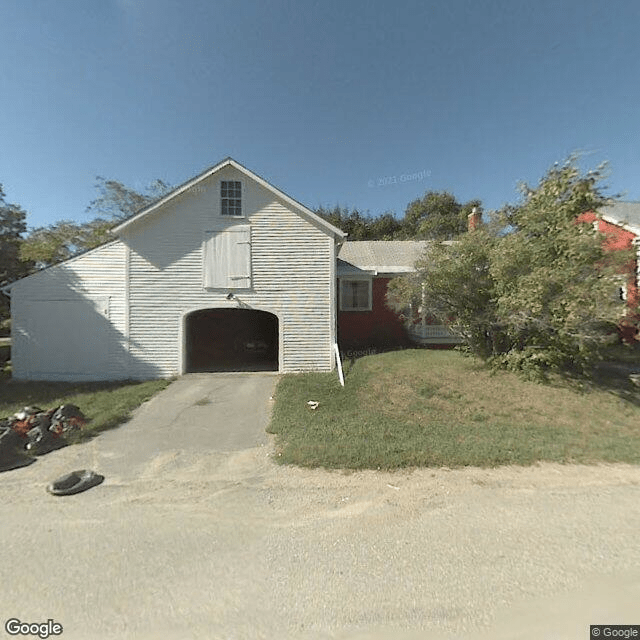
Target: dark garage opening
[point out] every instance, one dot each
(231, 340)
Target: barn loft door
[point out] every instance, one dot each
(227, 258)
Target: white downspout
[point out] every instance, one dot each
(423, 315)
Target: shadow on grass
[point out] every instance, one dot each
(106, 405)
(15, 392)
(613, 377)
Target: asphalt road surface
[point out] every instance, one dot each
(202, 535)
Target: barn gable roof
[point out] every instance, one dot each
(304, 211)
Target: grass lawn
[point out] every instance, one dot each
(5, 353)
(421, 408)
(106, 405)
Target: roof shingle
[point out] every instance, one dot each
(383, 256)
(623, 212)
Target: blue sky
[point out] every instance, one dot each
(323, 99)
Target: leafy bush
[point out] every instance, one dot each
(531, 290)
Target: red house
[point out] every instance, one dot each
(364, 268)
(365, 323)
(620, 224)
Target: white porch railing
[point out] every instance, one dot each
(432, 333)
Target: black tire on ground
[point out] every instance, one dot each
(74, 482)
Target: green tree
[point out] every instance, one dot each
(116, 201)
(362, 226)
(554, 279)
(453, 285)
(62, 240)
(12, 225)
(46, 246)
(352, 222)
(531, 290)
(437, 216)
(386, 227)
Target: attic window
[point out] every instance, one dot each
(230, 198)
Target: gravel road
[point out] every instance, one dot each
(228, 544)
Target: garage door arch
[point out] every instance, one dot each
(230, 339)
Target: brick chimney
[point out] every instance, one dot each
(475, 217)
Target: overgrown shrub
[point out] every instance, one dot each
(531, 290)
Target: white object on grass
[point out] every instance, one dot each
(339, 363)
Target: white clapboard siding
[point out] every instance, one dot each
(181, 256)
(69, 321)
(290, 276)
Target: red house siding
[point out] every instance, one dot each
(378, 328)
(617, 238)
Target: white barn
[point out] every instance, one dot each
(226, 272)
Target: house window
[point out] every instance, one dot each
(623, 293)
(355, 295)
(620, 291)
(230, 198)
(227, 258)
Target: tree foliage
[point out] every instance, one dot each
(437, 216)
(62, 240)
(453, 285)
(116, 201)
(361, 226)
(12, 225)
(533, 290)
(51, 244)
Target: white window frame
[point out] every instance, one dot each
(345, 280)
(622, 289)
(228, 216)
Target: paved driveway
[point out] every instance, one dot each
(196, 413)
